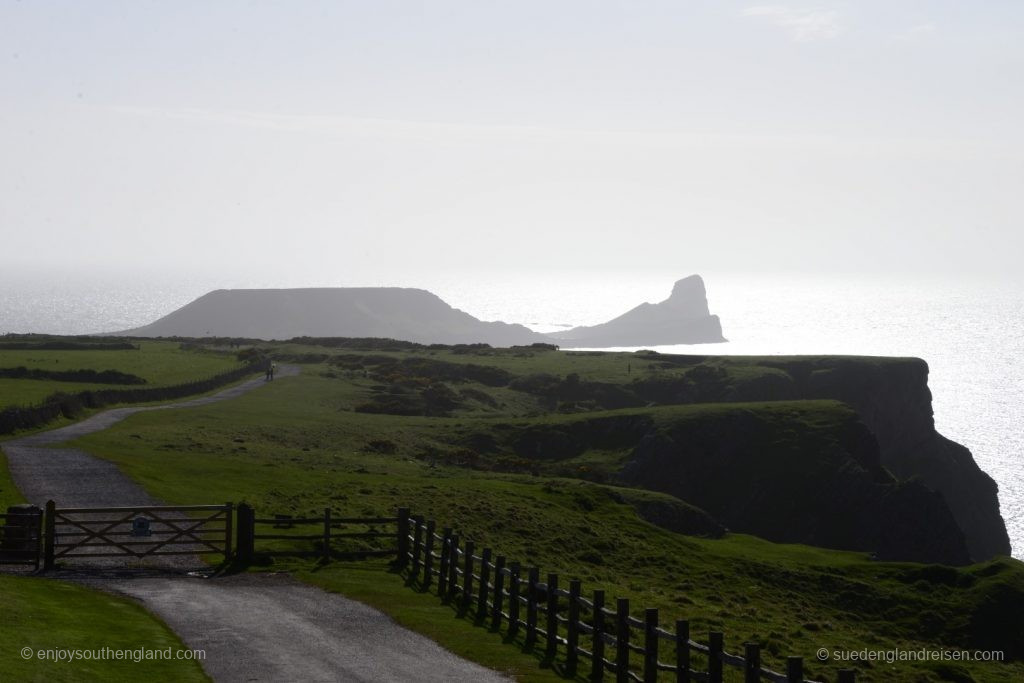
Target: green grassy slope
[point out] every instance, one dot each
(160, 363)
(297, 446)
(43, 614)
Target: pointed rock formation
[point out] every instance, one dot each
(683, 318)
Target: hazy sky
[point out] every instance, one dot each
(370, 138)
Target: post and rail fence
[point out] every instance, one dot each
(495, 590)
(288, 533)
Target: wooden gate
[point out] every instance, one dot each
(136, 532)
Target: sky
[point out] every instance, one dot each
(365, 141)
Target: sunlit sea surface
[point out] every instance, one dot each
(970, 331)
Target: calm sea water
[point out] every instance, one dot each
(971, 331)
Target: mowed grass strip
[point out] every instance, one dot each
(295, 447)
(44, 614)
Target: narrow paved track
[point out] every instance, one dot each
(74, 478)
(253, 627)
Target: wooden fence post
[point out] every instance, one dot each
(716, 645)
(499, 592)
(49, 562)
(683, 651)
(752, 665)
(485, 584)
(651, 645)
(795, 669)
(597, 664)
(327, 535)
(552, 620)
(403, 537)
(428, 555)
(513, 600)
(246, 543)
(453, 568)
(417, 547)
(229, 518)
(572, 637)
(467, 576)
(622, 640)
(531, 605)
(442, 577)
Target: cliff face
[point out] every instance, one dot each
(683, 318)
(894, 401)
(813, 476)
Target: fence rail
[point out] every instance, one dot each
(323, 531)
(490, 587)
(497, 591)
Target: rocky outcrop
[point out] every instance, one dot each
(893, 399)
(809, 475)
(891, 396)
(683, 318)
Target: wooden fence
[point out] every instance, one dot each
(498, 591)
(322, 531)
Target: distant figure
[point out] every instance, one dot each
(270, 371)
(273, 368)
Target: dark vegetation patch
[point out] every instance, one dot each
(42, 342)
(74, 405)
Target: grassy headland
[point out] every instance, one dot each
(453, 435)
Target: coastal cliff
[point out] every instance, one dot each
(892, 398)
(788, 471)
(894, 401)
(821, 485)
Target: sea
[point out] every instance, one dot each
(970, 329)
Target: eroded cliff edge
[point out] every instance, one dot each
(892, 398)
(894, 401)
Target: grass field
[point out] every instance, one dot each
(160, 363)
(298, 445)
(44, 614)
(9, 495)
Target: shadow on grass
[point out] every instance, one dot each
(466, 610)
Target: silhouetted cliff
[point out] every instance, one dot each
(683, 318)
(389, 312)
(417, 315)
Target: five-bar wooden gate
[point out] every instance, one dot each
(138, 532)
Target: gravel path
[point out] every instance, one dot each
(253, 627)
(73, 478)
(269, 627)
